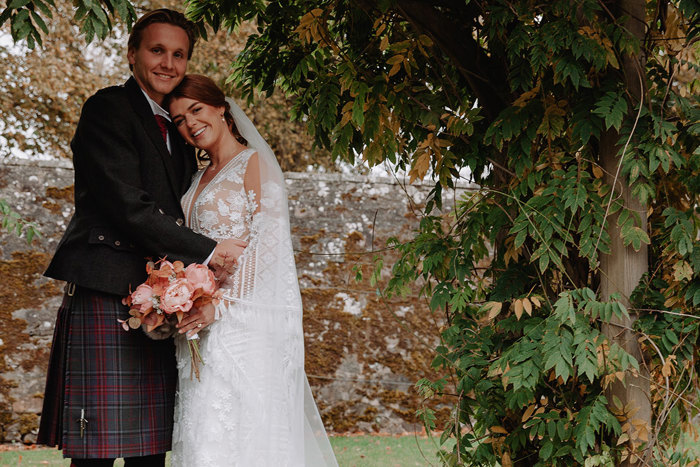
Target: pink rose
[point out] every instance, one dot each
(201, 277)
(143, 295)
(177, 297)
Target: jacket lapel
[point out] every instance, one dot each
(143, 111)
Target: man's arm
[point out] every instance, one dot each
(105, 154)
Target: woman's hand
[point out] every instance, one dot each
(197, 319)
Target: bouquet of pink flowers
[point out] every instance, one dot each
(170, 291)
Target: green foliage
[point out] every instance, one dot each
(28, 17)
(13, 223)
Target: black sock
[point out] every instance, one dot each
(91, 462)
(156, 460)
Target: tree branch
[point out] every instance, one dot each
(484, 75)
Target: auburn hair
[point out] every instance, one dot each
(203, 89)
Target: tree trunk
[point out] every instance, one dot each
(621, 270)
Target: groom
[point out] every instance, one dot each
(110, 393)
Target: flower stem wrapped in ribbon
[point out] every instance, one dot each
(170, 291)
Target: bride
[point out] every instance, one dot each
(252, 405)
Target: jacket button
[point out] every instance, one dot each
(117, 243)
(100, 237)
(179, 222)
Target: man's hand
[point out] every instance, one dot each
(226, 256)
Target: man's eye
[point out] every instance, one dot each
(156, 50)
(179, 121)
(179, 55)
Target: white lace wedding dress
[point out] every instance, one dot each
(252, 405)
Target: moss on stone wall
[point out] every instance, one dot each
(392, 338)
(21, 289)
(56, 198)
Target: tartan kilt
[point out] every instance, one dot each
(123, 381)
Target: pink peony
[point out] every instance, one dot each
(177, 297)
(201, 277)
(143, 295)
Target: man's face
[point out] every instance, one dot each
(160, 61)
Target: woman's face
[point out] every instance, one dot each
(201, 125)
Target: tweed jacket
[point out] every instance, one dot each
(127, 196)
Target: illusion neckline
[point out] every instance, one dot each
(200, 174)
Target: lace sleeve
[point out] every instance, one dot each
(266, 272)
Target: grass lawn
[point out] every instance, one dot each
(351, 451)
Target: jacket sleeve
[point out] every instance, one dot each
(105, 152)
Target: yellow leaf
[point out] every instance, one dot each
(611, 58)
(668, 368)
(586, 31)
(528, 413)
(380, 30)
(395, 59)
(597, 171)
(536, 301)
(421, 164)
(309, 18)
(505, 460)
(494, 308)
(682, 270)
(518, 308)
(511, 254)
(425, 40)
(643, 433)
(347, 116)
(384, 44)
(623, 439)
(407, 67)
(528, 306)
(394, 69)
(526, 96)
(498, 429)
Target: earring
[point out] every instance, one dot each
(223, 119)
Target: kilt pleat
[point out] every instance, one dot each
(51, 422)
(123, 382)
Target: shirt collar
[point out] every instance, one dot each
(155, 108)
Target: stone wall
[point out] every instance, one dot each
(363, 354)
